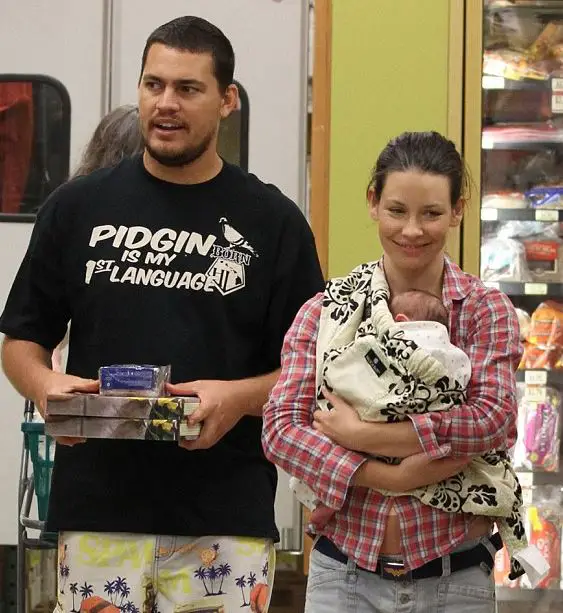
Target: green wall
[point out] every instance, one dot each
(389, 74)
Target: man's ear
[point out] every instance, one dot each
(230, 101)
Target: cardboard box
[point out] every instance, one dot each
(119, 417)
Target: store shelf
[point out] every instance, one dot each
(518, 594)
(553, 8)
(540, 377)
(495, 83)
(536, 145)
(528, 289)
(489, 214)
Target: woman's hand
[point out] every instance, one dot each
(418, 470)
(341, 424)
(415, 471)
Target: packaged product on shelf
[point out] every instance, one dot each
(537, 448)
(134, 380)
(545, 260)
(544, 341)
(543, 527)
(545, 197)
(524, 321)
(504, 260)
(504, 200)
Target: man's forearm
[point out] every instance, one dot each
(27, 365)
(253, 393)
(398, 440)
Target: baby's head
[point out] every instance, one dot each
(418, 305)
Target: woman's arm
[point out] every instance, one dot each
(291, 442)
(488, 419)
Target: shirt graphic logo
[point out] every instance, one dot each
(228, 270)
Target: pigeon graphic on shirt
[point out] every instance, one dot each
(235, 238)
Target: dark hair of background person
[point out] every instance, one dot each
(427, 152)
(196, 35)
(117, 136)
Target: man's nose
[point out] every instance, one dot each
(168, 100)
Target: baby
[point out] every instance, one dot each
(424, 320)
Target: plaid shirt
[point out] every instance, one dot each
(483, 323)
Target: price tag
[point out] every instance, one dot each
(489, 214)
(547, 215)
(535, 377)
(557, 95)
(535, 393)
(492, 284)
(490, 82)
(535, 289)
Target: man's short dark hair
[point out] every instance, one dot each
(196, 35)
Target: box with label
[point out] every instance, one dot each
(120, 417)
(134, 380)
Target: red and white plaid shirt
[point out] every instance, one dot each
(483, 323)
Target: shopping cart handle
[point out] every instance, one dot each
(25, 520)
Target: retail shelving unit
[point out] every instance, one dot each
(513, 238)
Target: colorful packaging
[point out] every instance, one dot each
(544, 531)
(539, 436)
(120, 417)
(134, 380)
(544, 347)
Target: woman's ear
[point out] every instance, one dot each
(373, 204)
(457, 213)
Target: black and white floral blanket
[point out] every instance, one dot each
(363, 357)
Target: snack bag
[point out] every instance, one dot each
(539, 436)
(544, 347)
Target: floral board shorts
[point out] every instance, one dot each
(137, 573)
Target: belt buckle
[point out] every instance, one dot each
(395, 571)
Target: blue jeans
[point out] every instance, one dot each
(336, 587)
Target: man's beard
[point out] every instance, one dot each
(174, 159)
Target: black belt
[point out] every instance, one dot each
(459, 560)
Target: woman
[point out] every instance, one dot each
(117, 136)
(444, 560)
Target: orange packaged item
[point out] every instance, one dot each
(544, 347)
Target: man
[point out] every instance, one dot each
(173, 258)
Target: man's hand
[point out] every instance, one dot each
(219, 409)
(60, 383)
(341, 424)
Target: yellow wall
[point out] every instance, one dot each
(389, 74)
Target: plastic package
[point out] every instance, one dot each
(146, 381)
(504, 259)
(524, 321)
(539, 438)
(504, 200)
(544, 346)
(549, 197)
(543, 527)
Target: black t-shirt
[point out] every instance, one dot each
(205, 277)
